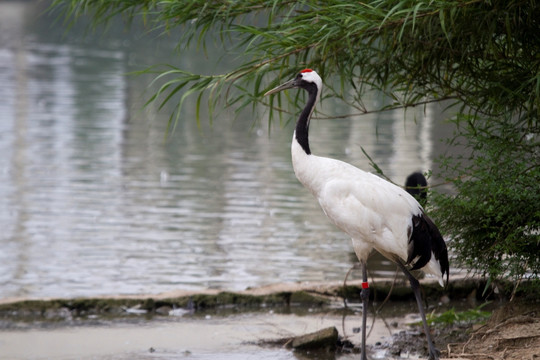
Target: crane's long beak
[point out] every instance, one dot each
(288, 85)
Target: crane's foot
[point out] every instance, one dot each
(434, 353)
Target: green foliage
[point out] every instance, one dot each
(494, 217)
(451, 317)
(482, 55)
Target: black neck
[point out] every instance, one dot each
(302, 125)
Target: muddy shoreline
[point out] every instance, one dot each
(283, 305)
(275, 295)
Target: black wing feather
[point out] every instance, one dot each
(425, 240)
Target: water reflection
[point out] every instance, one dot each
(96, 202)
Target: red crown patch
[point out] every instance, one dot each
(306, 71)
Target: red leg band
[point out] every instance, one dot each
(365, 285)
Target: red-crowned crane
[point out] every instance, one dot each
(416, 184)
(375, 213)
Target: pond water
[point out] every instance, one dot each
(95, 201)
(241, 336)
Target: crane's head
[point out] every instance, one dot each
(306, 79)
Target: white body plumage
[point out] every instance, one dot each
(375, 213)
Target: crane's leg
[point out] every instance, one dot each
(433, 352)
(364, 295)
